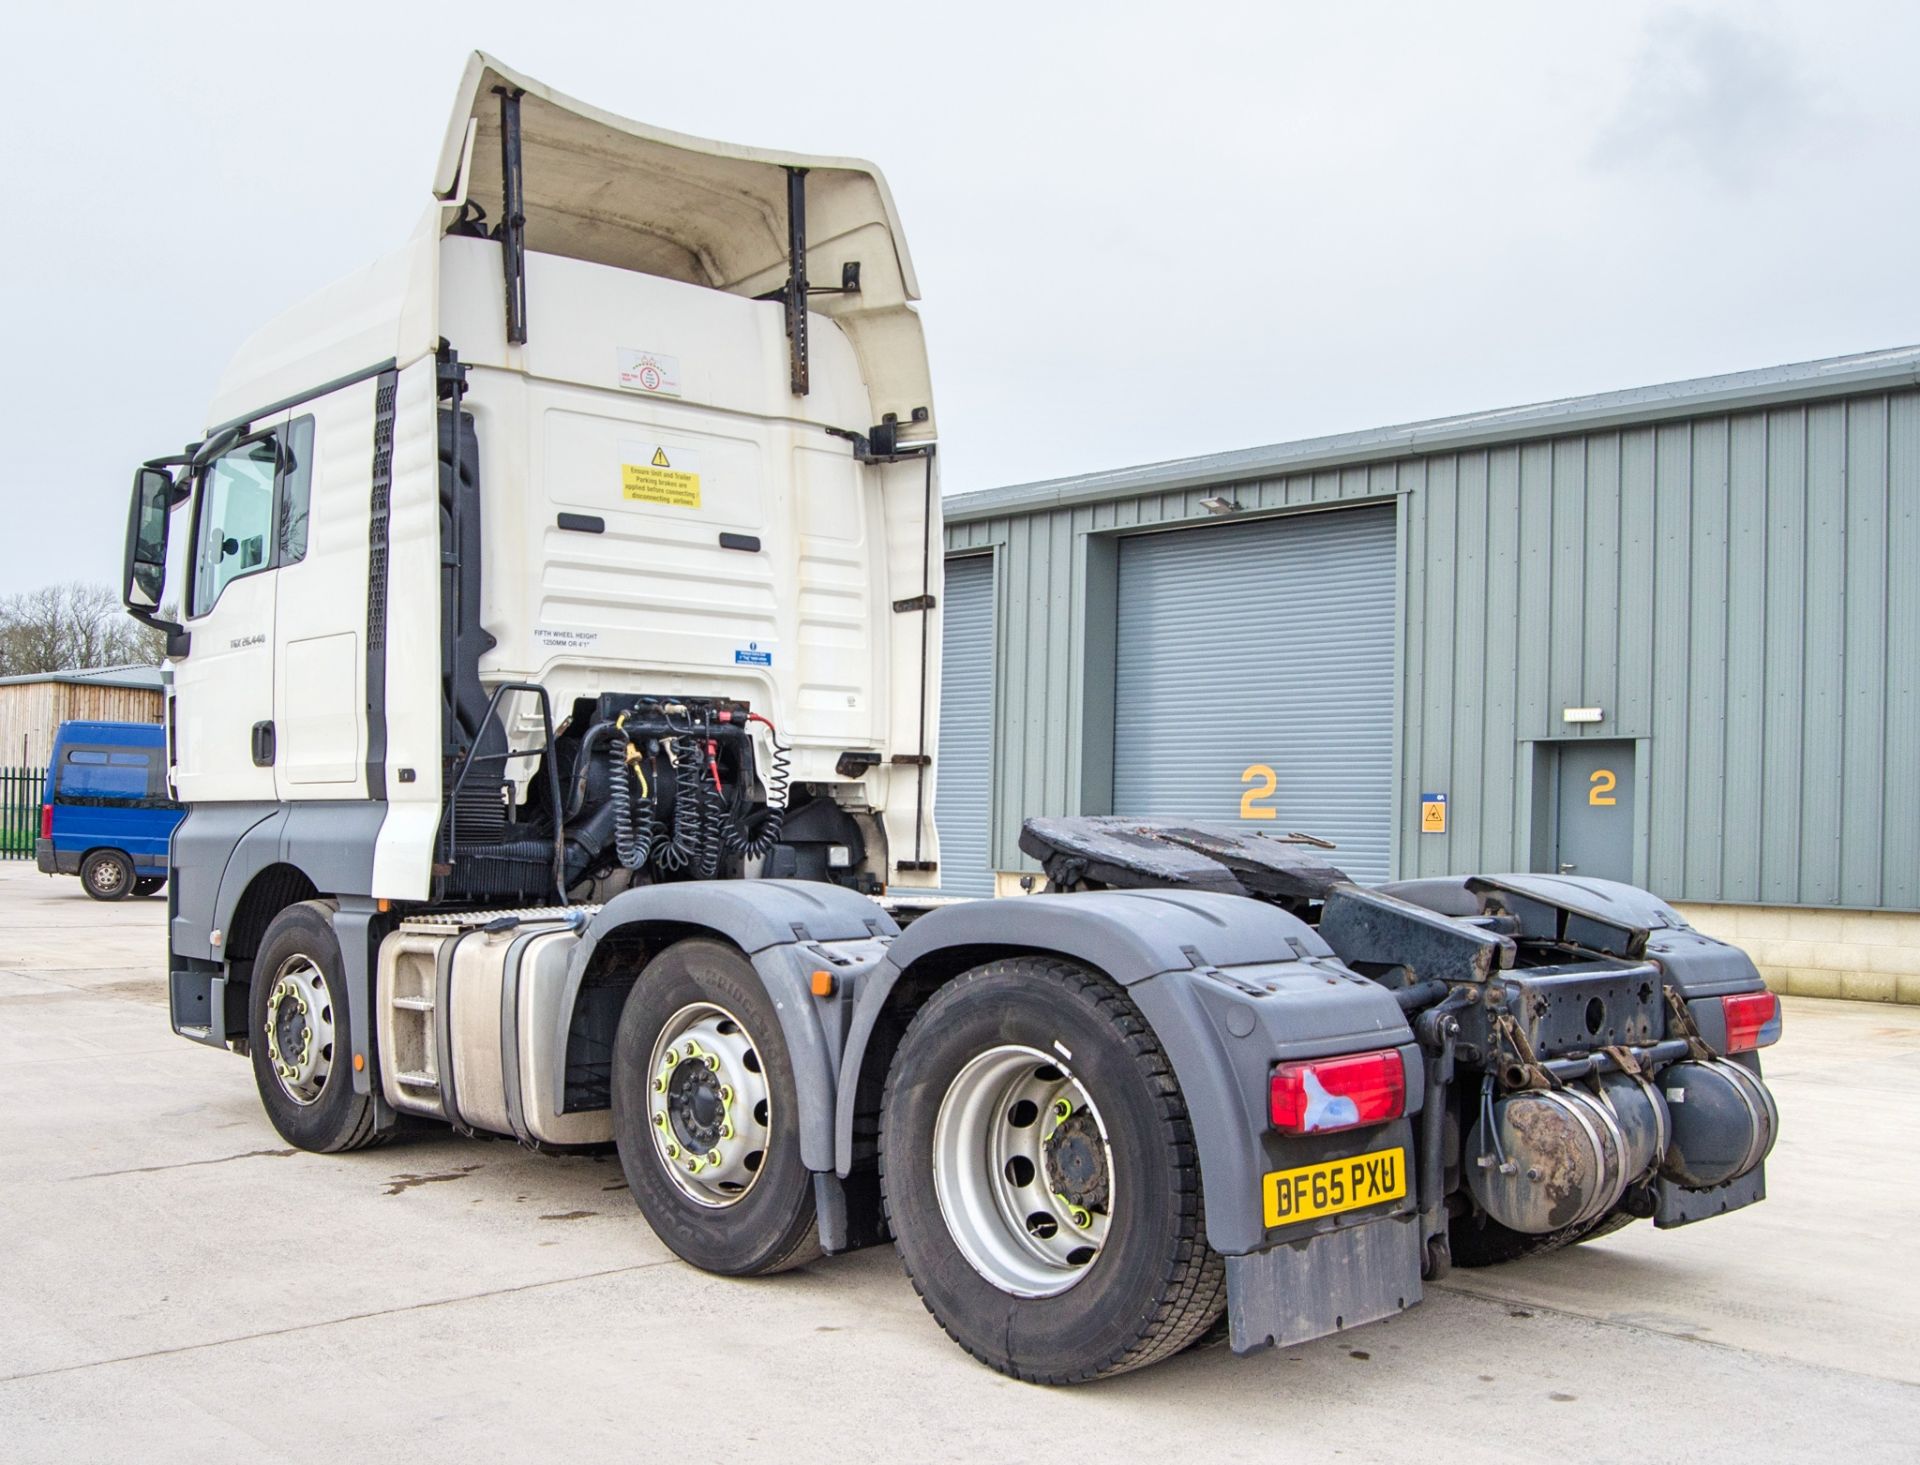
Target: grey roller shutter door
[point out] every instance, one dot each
(1266, 645)
(962, 785)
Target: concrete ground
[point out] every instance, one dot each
(176, 1284)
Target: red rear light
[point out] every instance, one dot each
(1324, 1094)
(1753, 1020)
(46, 821)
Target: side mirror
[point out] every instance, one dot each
(146, 558)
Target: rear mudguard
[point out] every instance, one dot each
(1229, 985)
(788, 929)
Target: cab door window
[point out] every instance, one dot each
(236, 520)
(296, 484)
(253, 510)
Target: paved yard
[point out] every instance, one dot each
(175, 1284)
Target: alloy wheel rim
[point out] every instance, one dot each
(299, 1029)
(709, 1106)
(1023, 1171)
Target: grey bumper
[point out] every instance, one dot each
(50, 861)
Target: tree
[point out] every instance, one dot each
(69, 627)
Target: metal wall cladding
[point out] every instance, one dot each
(962, 792)
(1738, 591)
(1254, 679)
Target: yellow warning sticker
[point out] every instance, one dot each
(663, 475)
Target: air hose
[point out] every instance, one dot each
(703, 829)
(633, 823)
(777, 772)
(686, 844)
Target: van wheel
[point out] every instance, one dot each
(106, 874)
(149, 885)
(1040, 1177)
(297, 1032)
(706, 1116)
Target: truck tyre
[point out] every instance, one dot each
(1040, 1177)
(147, 885)
(106, 874)
(706, 1116)
(297, 1029)
(1480, 1241)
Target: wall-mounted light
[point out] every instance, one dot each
(1580, 714)
(1219, 505)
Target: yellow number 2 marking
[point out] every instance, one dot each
(1603, 783)
(1267, 781)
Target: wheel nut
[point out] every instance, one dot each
(659, 1085)
(713, 1157)
(673, 1150)
(1062, 1108)
(659, 1121)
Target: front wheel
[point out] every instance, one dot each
(706, 1115)
(106, 874)
(297, 1031)
(1040, 1178)
(148, 885)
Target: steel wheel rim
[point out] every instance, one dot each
(299, 1029)
(109, 876)
(1023, 1171)
(709, 1106)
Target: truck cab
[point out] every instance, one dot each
(106, 815)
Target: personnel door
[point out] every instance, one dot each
(223, 687)
(1593, 828)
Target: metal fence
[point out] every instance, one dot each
(20, 790)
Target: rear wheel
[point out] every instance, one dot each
(297, 1031)
(706, 1116)
(106, 874)
(1040, 1178)
(1477, 1240)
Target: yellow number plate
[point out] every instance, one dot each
(1334, 1186)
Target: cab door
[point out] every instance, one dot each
(224, 738)
(320, 655)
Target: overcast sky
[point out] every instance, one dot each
(1142, 231)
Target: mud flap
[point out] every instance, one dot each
(1678, 1206)
(1339, 1279)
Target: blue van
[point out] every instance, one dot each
(105, 815)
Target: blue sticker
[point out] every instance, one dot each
(753, 656)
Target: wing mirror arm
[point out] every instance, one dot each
(205, 452)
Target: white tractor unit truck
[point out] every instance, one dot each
(553, 629)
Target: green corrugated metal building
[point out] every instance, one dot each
(1669, 635)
